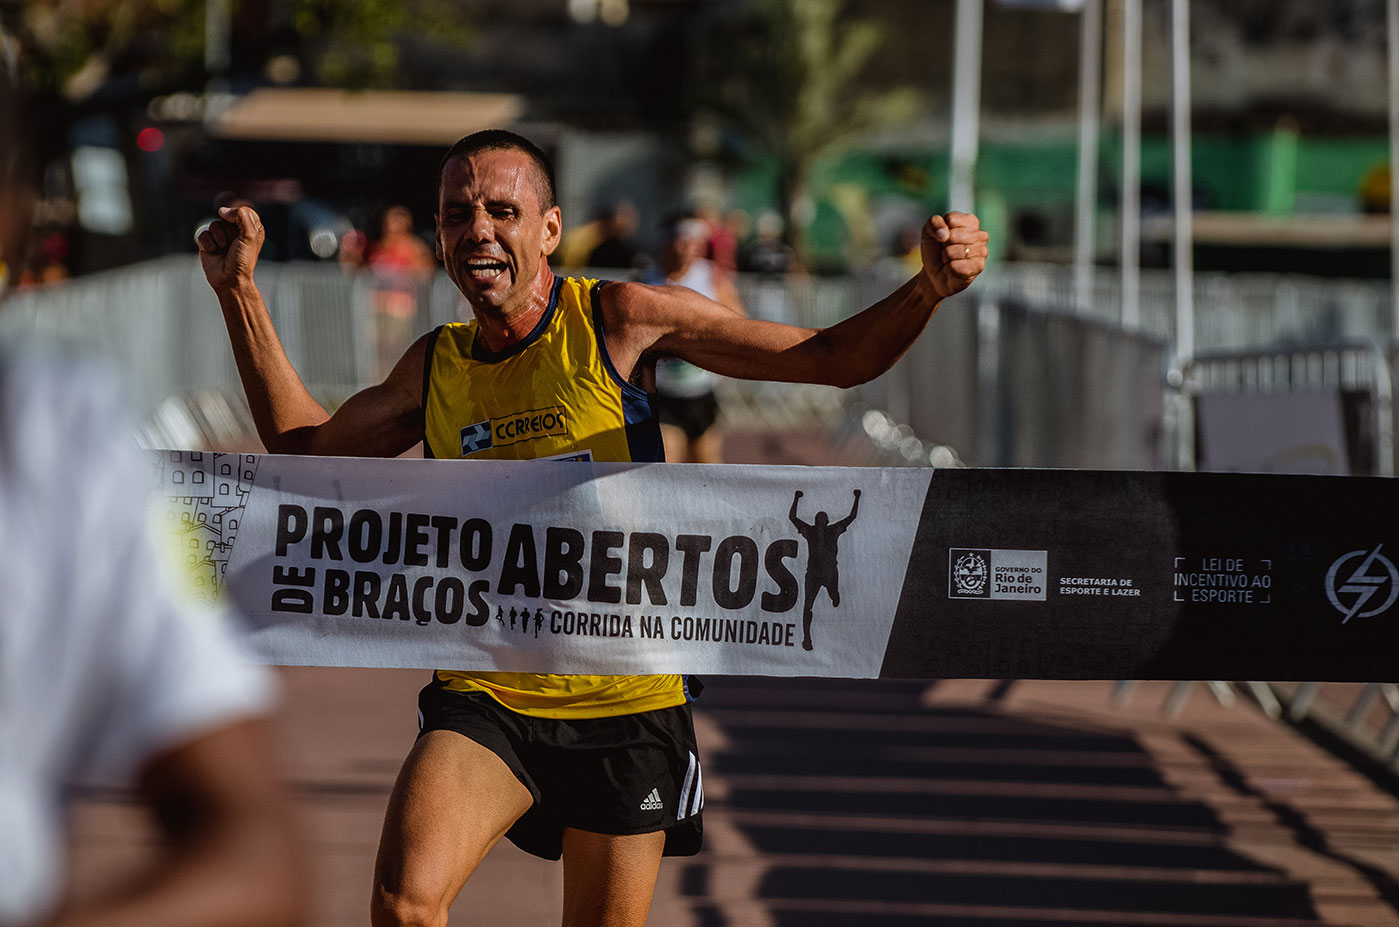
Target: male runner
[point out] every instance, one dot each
(566, 764)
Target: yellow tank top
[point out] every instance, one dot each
(556, 395)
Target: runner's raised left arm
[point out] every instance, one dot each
(680, 322)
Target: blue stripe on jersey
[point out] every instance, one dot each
(428, 355)
(639, 416)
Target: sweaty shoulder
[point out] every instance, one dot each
(634, 314)
(628, 302)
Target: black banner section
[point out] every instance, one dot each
(1057, 574)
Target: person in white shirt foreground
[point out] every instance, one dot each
(107, 672)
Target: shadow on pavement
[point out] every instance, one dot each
(847, 802)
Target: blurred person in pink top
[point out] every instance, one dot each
(401, 263)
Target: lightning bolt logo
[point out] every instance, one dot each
(1362, 584)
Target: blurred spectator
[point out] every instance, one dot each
(768, 253)
(740, 226)
(578, 242)
(47, 261)
(108, 672)
(401, 264)
(398, 249)
(906, 256)
(772, 260)
(723, 243)
(354, 247)
(1374, 189)
(685, 395)
(617, 248)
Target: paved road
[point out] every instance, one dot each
(835, 803)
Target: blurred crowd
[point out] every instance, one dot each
(733, 241)
(611, 241)
(46, 261)
(394, 246)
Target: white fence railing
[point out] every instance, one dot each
(1233, 311)
(959, 390)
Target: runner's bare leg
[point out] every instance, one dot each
(812, 589)
(453, 801)
(677, 444)
(708, 447)
(609, 880)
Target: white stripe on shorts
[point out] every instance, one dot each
(682, 807)
(698, 801)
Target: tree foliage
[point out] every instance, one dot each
(359, 44)
(73, 48)
(787, 74)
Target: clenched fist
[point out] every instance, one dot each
(229, 247)
(954, 252)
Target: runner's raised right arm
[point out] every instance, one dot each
(381, 421)
(792, 515)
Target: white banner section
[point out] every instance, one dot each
(552, 566)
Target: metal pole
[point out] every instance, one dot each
(1393, 11)
(1131, 162)
(1089, 102)
(218, 30)
(966, 105)
(1384, 411)
(1181, 170)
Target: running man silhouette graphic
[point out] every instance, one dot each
(822, 568)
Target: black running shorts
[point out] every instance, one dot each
(695, 416)
(626, 774)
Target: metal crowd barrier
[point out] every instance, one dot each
(1233, 311)
(1362, 719)
(1359, 365)
(159, 322)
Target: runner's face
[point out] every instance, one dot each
(492, 236)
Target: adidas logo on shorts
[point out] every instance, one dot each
(652, 802)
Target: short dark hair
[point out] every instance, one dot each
(505, 140)
(671, 222)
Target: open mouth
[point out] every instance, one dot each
(484, 269)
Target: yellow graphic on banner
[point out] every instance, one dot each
(204, 494)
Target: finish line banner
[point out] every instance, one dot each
(584, 567)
